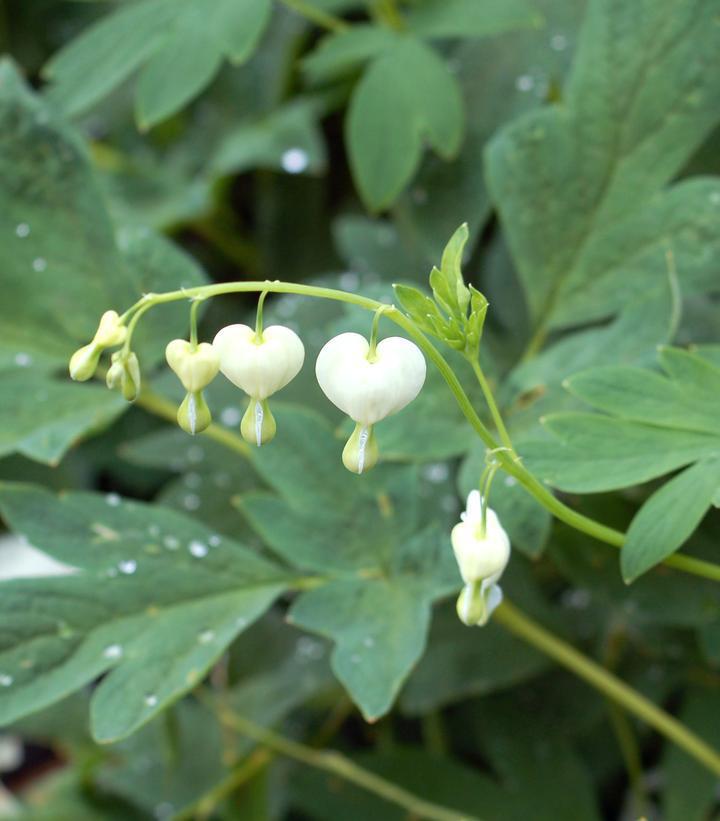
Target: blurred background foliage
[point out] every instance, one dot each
(155, 144)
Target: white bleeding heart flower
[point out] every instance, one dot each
(259, 364)
(369, 390)
(482, 553)
(124, 374)
(368, 386)
(195, 365)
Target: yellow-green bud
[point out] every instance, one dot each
(84, 362)
(124, 373)
(110, 331)
(258, 424)
(130, 384)
(195, 365)
(194, 415)
(361, 451)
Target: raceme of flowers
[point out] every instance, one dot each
(367, 380)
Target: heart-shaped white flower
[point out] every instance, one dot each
(195, 365)
(259, 367)
(368, 391)
(480, 556)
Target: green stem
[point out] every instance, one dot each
(334, 762)
(374, 333)
(508, 460)
(492, 405)
(259, 317)
(630, 752)
(193, 322)
(315, 15)
(525, 628)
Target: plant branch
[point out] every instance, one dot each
(622, 694)
(336, 763)
(492, 405)
(508, 460)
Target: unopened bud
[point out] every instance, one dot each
(195, 365)
(258, 424)
(124, 373)
(84, 362)
(110, 331)
(194, 415)
(361, 451)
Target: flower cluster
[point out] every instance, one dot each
(368, 381)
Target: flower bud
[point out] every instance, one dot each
(368, 390)
(361, 451)
(258, 424)
(480, 555)
(476, 603)
(195, 365)
(84, 362)
(110, 331)
(193, 415)
(259, 365)
(124, 373)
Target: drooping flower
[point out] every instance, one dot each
(195, 365)
(259, 364)
(124, 373)
(368, 386)
(482, 551)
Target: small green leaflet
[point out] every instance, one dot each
(468, 18)
(406, 96)
(361, 533)
(659, 423)
(156, 599)
(178, 46)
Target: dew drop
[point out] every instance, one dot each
(309, 649)
(39, 265)
(127, 566)
(23, 360)
(151, 700)
(524, 82)
(369, 641)
(206, 636)
(113, 651)
(510, 481)
(349, 281)
(558, 42)
(230, 416)
(214, 540)
(113, 499)
(191, 501)
(295, 160)
(198, 549)
(171, 542)
(154, 531)
(437, 472)
(22, 230)
(6, 680)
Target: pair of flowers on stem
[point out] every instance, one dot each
(367, 380)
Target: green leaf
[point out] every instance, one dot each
(344, 52)
(178, 43)
(364, 535)
(467, 18)
(590, 453)
(156, 601)
(406, 95)
(580, 187)
(42, 418)
(669, 517)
